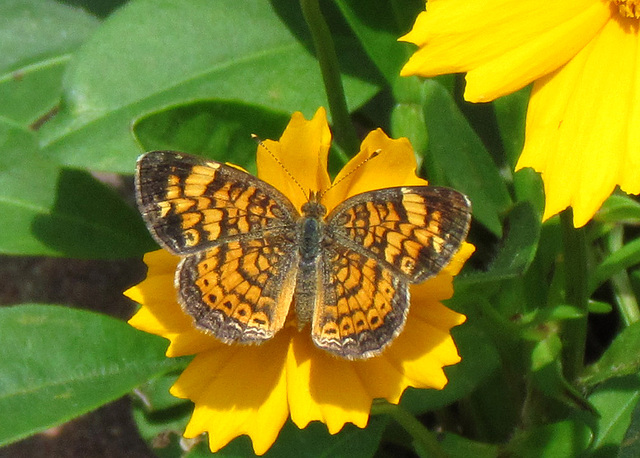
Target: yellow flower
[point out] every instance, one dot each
(253, 389)
(581, 56)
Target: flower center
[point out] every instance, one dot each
(628, 8)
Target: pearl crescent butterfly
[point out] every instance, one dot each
(248, 253)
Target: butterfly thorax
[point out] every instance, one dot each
(311, 229)
(311, 232)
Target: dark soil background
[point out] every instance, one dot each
(92, 285)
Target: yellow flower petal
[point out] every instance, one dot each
(440, 287)
(161, 262)
(424, 347)
(582, 157)
(324, 388)
(502, 44)
(520, 66)
(237, 390)
(394, 165)
(162, 314)
(190, 342)
(382, 378)
(463, 254)
(154, 291)
(581, 54)
(302, 406)
(300, 158)
(420, 358)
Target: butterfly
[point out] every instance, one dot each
(247, 253)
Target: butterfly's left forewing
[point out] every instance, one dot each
(191, 203)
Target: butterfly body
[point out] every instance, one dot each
(248, 254)
(309, 264)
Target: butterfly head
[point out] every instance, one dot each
(313, 208)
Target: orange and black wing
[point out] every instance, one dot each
(191, 203)
(234, 232)
(382, 241)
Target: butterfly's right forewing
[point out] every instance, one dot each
(413, 230)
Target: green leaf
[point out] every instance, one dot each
(561, 312)
(627, 256)
(630, 446)
(154, 395)
(621, 358)
(37, 38)
(527, 186)
(619, 208)
(562, 439)
(511, 112)
(517, 249)
(161, 418)
(378, 25)
(100, 8)
(315, 441)
(407, 120)
(188, 129)
(455, 445)
(539, 319)
(57, 363)
(459, 153)
(89, 220)
(599, 307)
(50, 211)
(251, 52)
(407, 116)
(546, 352)
(615, 400)
(547, 374)
(519, 245)
(479, 360)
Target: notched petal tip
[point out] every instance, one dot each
(297, 163)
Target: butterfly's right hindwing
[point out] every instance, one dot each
(190, 203)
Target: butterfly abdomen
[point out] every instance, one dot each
(310, 233)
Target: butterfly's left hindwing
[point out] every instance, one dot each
(190, 203)
(240, 291)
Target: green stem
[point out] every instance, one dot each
(574, 333)
(343, 129)
(422, 437)
(624, 296)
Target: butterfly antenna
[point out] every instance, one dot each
(275, 158)
(351, 172)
